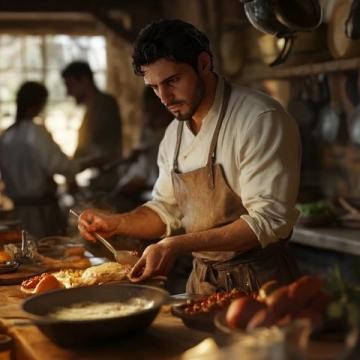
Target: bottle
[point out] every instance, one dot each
(5, 347)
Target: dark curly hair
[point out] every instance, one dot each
(30, 94)
(175, 40)
(77, 69)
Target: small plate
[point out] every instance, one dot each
(201, 321)
(9, 267)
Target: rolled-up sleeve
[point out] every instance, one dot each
(269, 163)
(163, 200)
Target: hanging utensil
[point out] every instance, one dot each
(350, 99)
(121, 256)
(331, 128)
(355, 126)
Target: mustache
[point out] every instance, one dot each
(176, 102)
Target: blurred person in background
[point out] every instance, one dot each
(29, 158)
(138, 175)
(100, 133)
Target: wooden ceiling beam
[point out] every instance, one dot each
(114, 26)
(35, 27)
(102, 12)
(63, 5)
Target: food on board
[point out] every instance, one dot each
(40, 283)
(70, 278)
(216, 301)
(110, 271)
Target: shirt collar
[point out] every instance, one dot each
(214, 110)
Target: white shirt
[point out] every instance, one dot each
(29, 158)
(259, 149)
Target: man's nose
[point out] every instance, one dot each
(165, 95)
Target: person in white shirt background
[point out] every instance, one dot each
(29, 158)
(229, 168)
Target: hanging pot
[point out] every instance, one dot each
(261, 15)
(278, 18)
(300, 15)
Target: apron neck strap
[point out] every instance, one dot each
(212, 151)
(177, 146)
(224, 105)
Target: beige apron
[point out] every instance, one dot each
(206, 201)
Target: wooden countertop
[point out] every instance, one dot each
(166, 338)
(329, 238)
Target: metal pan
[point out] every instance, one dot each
(79, 332)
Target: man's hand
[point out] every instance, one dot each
(92, 221)
(157, 259)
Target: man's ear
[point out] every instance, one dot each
(204, 62)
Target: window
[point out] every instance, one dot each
(41, 58)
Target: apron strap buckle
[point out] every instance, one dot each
(211, 176)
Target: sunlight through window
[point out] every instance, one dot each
(41, 58)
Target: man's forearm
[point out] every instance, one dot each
(236, 236)
(142, 223)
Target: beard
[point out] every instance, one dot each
(193, 103)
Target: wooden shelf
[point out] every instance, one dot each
(263, 72)
(329, 238)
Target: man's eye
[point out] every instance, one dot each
(174, 80)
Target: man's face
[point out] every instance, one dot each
(76, 88)
(177, 85)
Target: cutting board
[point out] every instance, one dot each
(24, 272)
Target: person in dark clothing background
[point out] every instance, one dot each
(100, 133)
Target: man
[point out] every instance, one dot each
(229, 172)
(100, 131)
